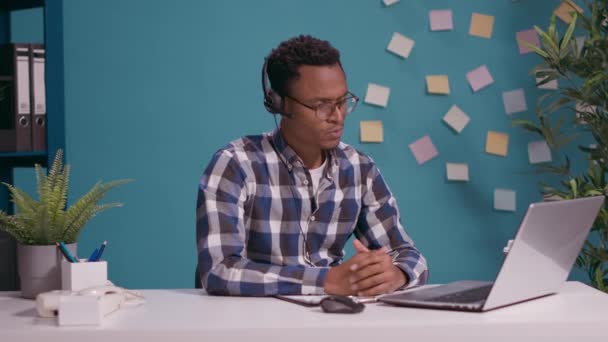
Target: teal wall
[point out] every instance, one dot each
(153, 88)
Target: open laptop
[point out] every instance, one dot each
(547, 243)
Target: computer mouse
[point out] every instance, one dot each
(341, 304)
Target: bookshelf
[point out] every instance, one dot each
(54, 71)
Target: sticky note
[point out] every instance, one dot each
(457, 172)
(580, 43)
(530, 36)
(565, 9)
(400, 45)
(441, 20)
(456, 118)
(438, 84)
(497, 143)
(377, 95)
(583, 108)
(504, 199)
(539, 152)
(479, 78)
(514, 101)
(389, 2)
(481, 25)
(423, 149)
(551, 85)
(371, 131)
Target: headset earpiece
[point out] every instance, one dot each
(273, 102)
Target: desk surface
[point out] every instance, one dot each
(189, 315)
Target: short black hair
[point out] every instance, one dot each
(285, 59)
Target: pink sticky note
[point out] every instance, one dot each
(441, 20)
(423, 149)
(530, 36)
(479, 78)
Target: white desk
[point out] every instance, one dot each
(188, 315)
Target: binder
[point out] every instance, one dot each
(38, 90)
(15, 63)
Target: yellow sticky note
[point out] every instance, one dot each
(497, 143)
(481, 25)
(565, 10)
(438, 84)
(372, 131)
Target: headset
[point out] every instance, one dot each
(273, 102)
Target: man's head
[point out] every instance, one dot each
(306, 72)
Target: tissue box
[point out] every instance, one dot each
(76, 276)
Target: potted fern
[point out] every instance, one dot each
(582, 99)
(38, 224)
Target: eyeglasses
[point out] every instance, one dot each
(325, 109)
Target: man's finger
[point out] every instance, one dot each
(376, 290)
(369, 271)
(359, 247)
(371, 282)
(361, 260)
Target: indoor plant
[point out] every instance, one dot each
(581, 70)
(38, 224)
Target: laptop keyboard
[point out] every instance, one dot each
(467, 296)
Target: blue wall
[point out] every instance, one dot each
(153, 88)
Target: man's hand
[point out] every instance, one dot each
(377, 274)
(368, 273)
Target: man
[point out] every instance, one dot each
(275, 211)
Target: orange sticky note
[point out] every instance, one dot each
(438, 84)
(372, 131)
(481, 25)
(497, 143)
(565, 9)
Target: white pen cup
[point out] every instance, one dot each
(76, 276)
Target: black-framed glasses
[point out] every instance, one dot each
(325, 109)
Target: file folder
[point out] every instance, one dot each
(15, 64)
(38, 89)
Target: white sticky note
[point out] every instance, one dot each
(504, 199)
(551, 85)
(457, 172)
(441, 20)
(389, 2)
(456, 118)
(580, 43)
(400, 45)
(539, 152)
(583, 108)
(514, 101)
(377, 95)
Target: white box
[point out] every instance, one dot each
(76, 276)
(86, 309)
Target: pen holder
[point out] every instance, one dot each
(76, 276)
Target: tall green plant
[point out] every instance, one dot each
(46, 221)
(583, 78)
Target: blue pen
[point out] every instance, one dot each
(93, 255)
(67, 252)
(101, 249)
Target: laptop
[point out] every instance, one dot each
(539, 261)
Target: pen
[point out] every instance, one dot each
(93, 255)
(66, 253)
(101, 249)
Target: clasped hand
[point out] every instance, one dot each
(368, 273)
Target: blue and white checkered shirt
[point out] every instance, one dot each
(254, 193)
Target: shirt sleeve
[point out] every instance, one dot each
(222, 237)
(379, 225)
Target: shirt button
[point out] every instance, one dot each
(289, 167)
(305, 182)
(312, 218)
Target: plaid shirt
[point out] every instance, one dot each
(254, 193)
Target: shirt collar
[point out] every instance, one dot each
(289, 156)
